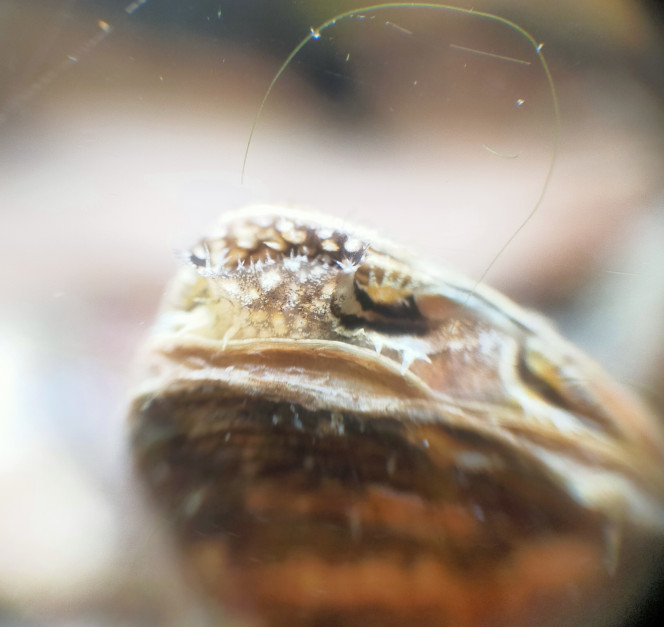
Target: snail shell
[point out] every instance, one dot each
(342, 434)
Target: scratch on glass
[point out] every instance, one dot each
(484, 53)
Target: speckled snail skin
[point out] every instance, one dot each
(344, 435)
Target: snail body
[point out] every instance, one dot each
(343, 434)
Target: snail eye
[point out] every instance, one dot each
(379, 298)
(390, 294)
(379, 288)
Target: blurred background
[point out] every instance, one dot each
(123, 128)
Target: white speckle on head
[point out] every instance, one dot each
(245, 236)
(245, 242)
(274, 245)
(317, 271)
(231, 288)
(270, 280)
(329, 245)
(352, 245)
(284, 225)
(324, 234)
(293, 264)
(249, 295)
(295, 236)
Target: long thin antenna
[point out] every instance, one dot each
(315, 33)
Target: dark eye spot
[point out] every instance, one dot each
(398, 317)
(401, 309)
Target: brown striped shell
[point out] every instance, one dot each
(343, 435)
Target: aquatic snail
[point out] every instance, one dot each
(343, 434)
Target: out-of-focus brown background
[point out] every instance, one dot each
(122, 134)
